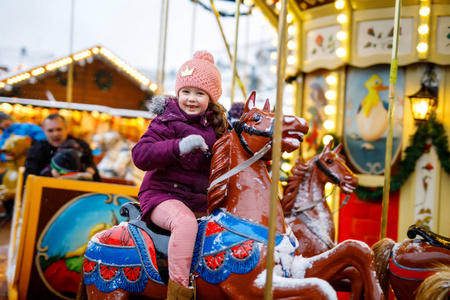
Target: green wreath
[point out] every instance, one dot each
(104, 80)
(419, 145)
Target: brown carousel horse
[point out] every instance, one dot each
(304, 203)
(309, 215)
(417, 268)
(229, 261)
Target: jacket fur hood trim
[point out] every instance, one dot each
(156, 105)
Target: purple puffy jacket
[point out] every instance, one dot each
(169, 175)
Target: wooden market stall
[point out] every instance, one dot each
(108, 95)
(339, 56)
(99, 78)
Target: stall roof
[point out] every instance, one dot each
(8, 80)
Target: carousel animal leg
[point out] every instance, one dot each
(354, 280)
(346, 254)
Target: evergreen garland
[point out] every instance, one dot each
(419, 145)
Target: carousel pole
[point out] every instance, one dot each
(71, 65)
(162, 45)
(236, 33)
(194, 18)
(388, 157)
(276, 148)
(216, 13)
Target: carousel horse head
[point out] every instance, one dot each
(107, 140)
(327, 167)
(16, 148)
(260, 123)
(334, 169)
(116, 162)
(251, 138)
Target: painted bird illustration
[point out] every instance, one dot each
(372, 115)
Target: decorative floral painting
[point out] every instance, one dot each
(366, 117)
(322, 43)
(443, 35)
(426, 187)
(314, 105)
(376, 37)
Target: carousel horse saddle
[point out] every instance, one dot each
(159, 236)
(225, 244)
(125, 257)
(429, 236)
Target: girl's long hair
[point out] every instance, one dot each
(219, 119)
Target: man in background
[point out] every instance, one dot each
(40, 154)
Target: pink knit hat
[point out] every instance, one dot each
(200, 72)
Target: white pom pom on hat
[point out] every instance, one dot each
(200, 72)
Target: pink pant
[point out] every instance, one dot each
(173, 215)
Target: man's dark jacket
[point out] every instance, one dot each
(41, 153)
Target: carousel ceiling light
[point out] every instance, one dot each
(423, 29)
(328, 124)
(291, 30)
(326, 139)
(289, 18)
(424, 102)
(341, 18)
(424, 11)
(286, 167)
(422, 47)
(339, 4)
(341, 35)
(329, 110)
(291, 45)
(330, 95)
(331, 79)
(340, 52)
(291, 60)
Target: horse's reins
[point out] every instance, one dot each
(334, 179)
(311, 224)
(239, 128)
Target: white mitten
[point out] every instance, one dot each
(191, 142)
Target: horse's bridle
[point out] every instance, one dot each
(239, 128)
(327, 172)
(242, 127)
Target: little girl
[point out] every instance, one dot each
(175, 153)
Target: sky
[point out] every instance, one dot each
(130, 29)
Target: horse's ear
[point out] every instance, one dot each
(337, 149)
(267, 105)
(250, 102)
(328, 147)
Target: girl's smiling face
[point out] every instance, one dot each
(193, 101)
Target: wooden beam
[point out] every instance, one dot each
(268, 12)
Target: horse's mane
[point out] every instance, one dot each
(293, 182)
(220, 165)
